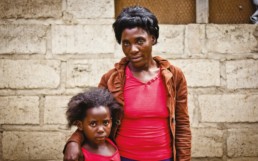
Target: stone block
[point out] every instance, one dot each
(206, 159)
(31, 9)
(82, 39)
(244, 159)
(91, 9)
(55, 108)
(194, 39)
(119, 51)
(29, 74)
(23, 39)
(84, 73)
(1, 145)
(191, 108)
(33, 145)
(230, 39)
(19, 110)
(207, 142)
(242, 74)
(228, 108)
(171, 40)
(242, 143)
(200, 73)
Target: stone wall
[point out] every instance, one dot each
(52, 49)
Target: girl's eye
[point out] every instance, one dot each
(106, 122)
(93, 124)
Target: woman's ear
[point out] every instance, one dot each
(153, 40)
(79, 125)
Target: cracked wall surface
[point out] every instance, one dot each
(53, 49)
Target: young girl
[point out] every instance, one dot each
(93, 113)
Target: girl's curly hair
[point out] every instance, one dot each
(93, 97)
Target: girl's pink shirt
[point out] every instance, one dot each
(88, 156)
(144, 132)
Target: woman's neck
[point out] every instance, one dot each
(152, 65)
(145, 74)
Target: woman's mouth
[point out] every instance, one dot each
(135, 59)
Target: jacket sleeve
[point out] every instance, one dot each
(183, 132)
(103, 81)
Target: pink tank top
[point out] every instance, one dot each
(144, 132)
(88, 156)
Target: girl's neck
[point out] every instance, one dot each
(93, 146)
(105, 148)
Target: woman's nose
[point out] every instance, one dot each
(134, 48)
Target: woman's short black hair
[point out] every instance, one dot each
(136, 16)
(93, 97)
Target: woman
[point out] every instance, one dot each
(153, 93)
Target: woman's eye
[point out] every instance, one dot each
(126, 44)
(140, 41)
(93, 124)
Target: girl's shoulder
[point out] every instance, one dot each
(111, 142)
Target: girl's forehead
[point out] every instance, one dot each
(99, 110)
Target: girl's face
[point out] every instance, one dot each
(96, 125)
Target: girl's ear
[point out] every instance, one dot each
(79, 125)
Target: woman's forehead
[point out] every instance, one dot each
(127, 32)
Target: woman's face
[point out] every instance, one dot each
(137, 46)
(96, 125)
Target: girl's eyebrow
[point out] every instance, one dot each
(92, 120)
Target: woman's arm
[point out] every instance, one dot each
(72, 149)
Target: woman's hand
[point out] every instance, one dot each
(72, 152)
